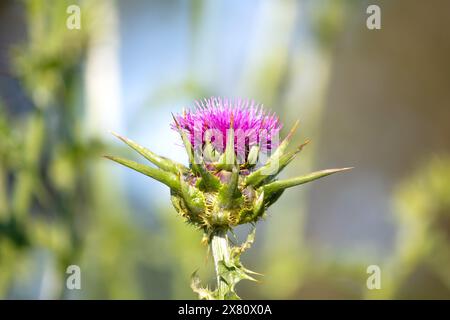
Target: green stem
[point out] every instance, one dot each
(221, 252)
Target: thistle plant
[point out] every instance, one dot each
(234, 157)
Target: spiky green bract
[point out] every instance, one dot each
(280, 185)
(161, 162)
(169, 179)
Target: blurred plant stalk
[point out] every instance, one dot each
(48, 148)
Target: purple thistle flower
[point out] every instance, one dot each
(225, 187)
(211, 118)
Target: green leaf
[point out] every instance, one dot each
(238, 250)
(231, 274)
(203, 293)
(169, 179)
(277, 186)
(161, 162)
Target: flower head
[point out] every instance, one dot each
(209, 122)
(222, 187)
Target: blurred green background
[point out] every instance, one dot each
(377, 100)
